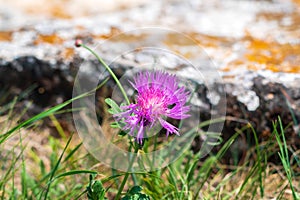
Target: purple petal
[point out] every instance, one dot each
(140, 134)
(155, 92)
(169, 127)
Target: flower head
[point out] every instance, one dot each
(158, 97)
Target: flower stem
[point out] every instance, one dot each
(78, 44)
(109, 70)
(154, 151)
(126, 175)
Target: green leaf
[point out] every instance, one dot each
(135, 194)
(135, 189)
(122, 133)
(119, 125)
(73, 172)
(114, 106)
(115, 125)
(55, 168)
(95, 190)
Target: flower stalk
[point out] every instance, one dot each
(79, 43)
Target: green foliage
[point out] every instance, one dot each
(44, 114)
(284, 156)
(135, 193)
(55, 168)
(65, 173)
(114, 108)
(95, 190)
(32, 180)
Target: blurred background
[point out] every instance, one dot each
(253, 45)
(251, 35)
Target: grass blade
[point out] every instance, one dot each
(46, 113)
(284, 156)
(74, 172)
(56, 167)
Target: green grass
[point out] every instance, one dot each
(60, 168)
(284, 155)
(67, 172)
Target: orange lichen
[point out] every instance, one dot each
(274, 56)
(209, 40)
(180, 40)
(188, 55)
(59, 12)
(294, 18)
(270, 15)
(113, 32)
(253, 67)
(238, 62)
(227, 68)
(50, 39)
(80, 27)
(129, 38)
(297, 2)
(258, 58)
(295, 22)
(228, 77)
(68, 53)
(116, 36)
(52, 9)
(5, 36)
(267, 54)
(233, 65)
(292, 69)
(176, 41)
(258, 44)
(273, 68)
(192, 39)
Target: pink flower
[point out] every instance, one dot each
(158, 97)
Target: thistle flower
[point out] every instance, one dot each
(158, 97)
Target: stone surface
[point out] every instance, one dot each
(248, 49)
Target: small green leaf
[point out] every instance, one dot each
(110, 111)
(114, 106)
(122, 133)
(43, 168)
(135, 190)
(95, 190)
(135, 194)
(115, 125)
